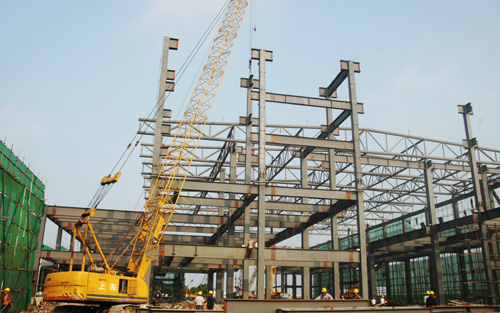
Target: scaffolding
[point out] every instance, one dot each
(22, 210)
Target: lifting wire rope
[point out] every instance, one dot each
(108, 181)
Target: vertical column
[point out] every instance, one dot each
(388, 286)
(269, 281)
(409, 291)
(166, 84)
(471, 144)
(372, 292)
(218, 286)
(335, 274)
(230, 282)
(463, 276)
(232, 179)
(222, 178)
(360, 204)
(263, 56)
(248, 178)
(59, 238)
(434, 260)
(306, 272)
(336, 265)
(210, 280)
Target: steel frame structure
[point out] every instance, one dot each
(273, 182)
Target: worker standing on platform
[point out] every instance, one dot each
(250, 245)
(324, 295)
(374, 301)
(7, 301)
(198, 301)
(210, 300)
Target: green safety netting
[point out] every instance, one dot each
(22, 208)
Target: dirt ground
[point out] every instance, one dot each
(48, 307)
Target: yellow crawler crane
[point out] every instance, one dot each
(104, 284)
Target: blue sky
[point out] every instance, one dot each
(76, 75)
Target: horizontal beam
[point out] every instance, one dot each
(307, 101)
(281, 140)
(271, 191)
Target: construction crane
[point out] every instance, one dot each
(105, 284)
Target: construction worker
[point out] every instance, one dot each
(427, 293)
(324, 295)
(374, 301)
(382, 301)
(7, 301)
(198, 301)
(250, 245)
(277, 295)
(210, 300)
(356, 294)
(431, 301)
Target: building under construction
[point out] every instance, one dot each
(400, 215)
(22, 215)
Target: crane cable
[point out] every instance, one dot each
(103, 189)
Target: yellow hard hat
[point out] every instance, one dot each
(211, 292)
(200, 293)
(7, 289)
(432, 292)
(356, 290)
(382, 296)
(278, 290)
(323, 290)
(428, 292)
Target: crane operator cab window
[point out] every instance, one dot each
(123, 286)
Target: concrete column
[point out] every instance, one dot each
(360, 203)
(229, 282)
(434, 259)
(218, 286)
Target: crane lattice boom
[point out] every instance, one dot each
(164, 193)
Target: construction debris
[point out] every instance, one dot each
(44, 307)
